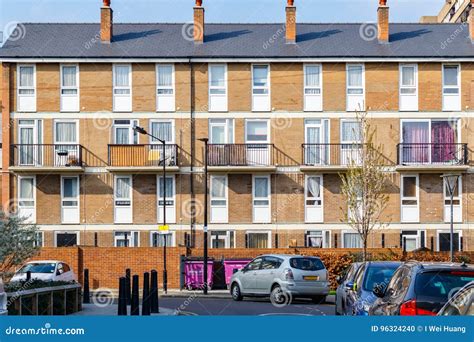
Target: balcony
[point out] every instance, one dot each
(149, 157)
(330, 157)
(46, 158)
(241, 157)
(432, 157)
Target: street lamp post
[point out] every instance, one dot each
(452, 181)
(141, 130)
(205, 141)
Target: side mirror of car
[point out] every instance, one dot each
(350, 285)
(379, 291)
(243, 270)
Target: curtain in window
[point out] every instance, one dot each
(69, 76)
(355, 76)
(312, 76)
(351, 131)
(162, 130)
(352, 240)
(66, 132)
(26, 152)
(315, 241)
(313, 136)
(169, 187)
(257, 131)
(122, 76)
(27, 77)
(415, 139)
(70, 188)
(443, 138)
(26, 188)
(258, 240)
(218, 187)
(165, 76)
(217, 76)
(122, 135)
(260, 76)
(261, 188)
(159, 240)
(122, 188)
(314, 187)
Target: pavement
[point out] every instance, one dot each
(112, 309)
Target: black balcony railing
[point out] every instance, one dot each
(331, 154)
(240, 154)
(432, 154)
(142, 155)
(46, 155)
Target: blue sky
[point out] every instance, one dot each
(216, 10)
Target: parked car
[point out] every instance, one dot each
(280, 276)
(47, 270)
(341, 291)
(3, 300)
(359, 296)
(420, 288)
(461, 304)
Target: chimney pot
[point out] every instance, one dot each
(290, 22)
(198, 29)
(106, 22)
(106, 3)
(199, 3)
(383, 26)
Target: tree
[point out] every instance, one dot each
(17, 241)
(364, 183)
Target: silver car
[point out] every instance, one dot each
(282, 277)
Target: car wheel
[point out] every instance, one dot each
(236, 294)
(279, 297)
(318, 299)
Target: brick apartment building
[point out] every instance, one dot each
(453, 11)
(277, 102)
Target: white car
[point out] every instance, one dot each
(47, 270)
(3, 300)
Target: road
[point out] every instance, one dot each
(252, 306)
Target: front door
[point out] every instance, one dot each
(315, 152)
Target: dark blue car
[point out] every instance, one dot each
(358, 292)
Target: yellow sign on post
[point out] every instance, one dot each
(164, 229)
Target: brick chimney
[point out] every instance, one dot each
(291, 22)
(383, 22)
(471, 21)
(198, 22)
(106, 22)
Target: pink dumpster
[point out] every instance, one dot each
(194, 272)
(233, 265)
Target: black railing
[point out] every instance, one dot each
(331, 154)
(46, 155)
(142, 155)
(240, 154)
(432, 154)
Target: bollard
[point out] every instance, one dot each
(28, 276)
(122, 301)
(86, 295)
(127, 286)
(154, 308)
(146, 295)
(135, 302)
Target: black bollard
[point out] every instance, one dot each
(128, 289)
(28, 276)
(154, 308)
(122, 301)
(146, 295)
(87, 294)
(135, 302)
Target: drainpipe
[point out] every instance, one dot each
(191, 117)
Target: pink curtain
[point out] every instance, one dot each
(443, 137)
(415, 142)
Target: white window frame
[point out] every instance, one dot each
(344, 232)
(268, 232)
(130, 238)
(225, 199)
(37, 126)
(318, 98)
(268, 198)
(64, 199)
(268, 95)
(321, 198)
(267, 121)
(417, 237)
(70, 97)
(172, 96)
(76, 122)
(32, 219)
(447, 202)
(348, 96)
(325, 234)
(171, 233)
(131, 133)
(19, 88)
(129, 88)
(226, 238)
(225, 88)
(445, 231)
(407, 96)
(347, 147)
(216, 122)
(39, 233)
(156, 142)
(417, 198)
(167, 199)
(123, 199)
(457, 106)
(57, 232)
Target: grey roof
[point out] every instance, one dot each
(238, 41)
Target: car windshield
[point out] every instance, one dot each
(38, 268)
(440, 284)
(378, 275)
(307, 264)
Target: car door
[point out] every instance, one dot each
(248, 278)
(266, 274)
(388, 304)
(341, 289)
(352, 295)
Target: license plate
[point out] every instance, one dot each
(310, 277)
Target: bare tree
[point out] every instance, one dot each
(365, 181)
(17, 241)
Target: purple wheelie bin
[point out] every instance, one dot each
(233, 265)
(194, 272)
